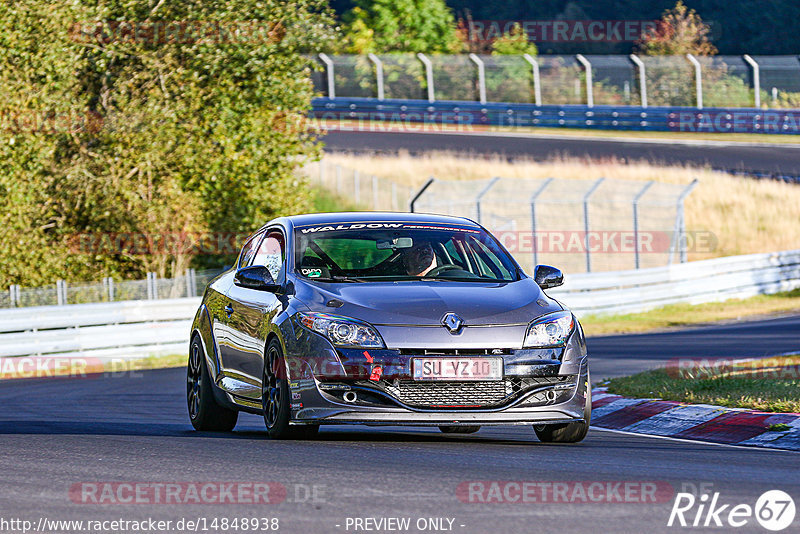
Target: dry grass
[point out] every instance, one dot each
(746, 216)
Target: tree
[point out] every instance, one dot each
(196, 125)
(680, 31)
(426, 26)
(514, 42)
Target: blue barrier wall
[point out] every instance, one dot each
(466, 114)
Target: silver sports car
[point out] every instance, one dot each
(386, 319)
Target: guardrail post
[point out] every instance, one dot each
(329, 71)
(537, 84)
(534, 196)
(678, 239)
(378, 73)
(589, 89)
(638, 196)
(428, 75)
(698, 79)
(756, 80)
(586, 222)
(481, 77)
(422, 189)
(642, 78)
(480, 194)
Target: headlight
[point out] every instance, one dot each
(552, 330)
(341, 331)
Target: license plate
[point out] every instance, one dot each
(457, 368)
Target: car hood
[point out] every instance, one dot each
(426, 302)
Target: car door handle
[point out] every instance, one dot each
(229, 310)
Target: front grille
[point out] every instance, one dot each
(454, 352)
(447, 394)
(478, 394)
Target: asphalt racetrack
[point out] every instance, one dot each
(59, 433)
(762, 157)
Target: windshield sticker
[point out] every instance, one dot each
(311, 273)
(361, 226)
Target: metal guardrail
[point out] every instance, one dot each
(695, 282)
(330, 112)
(106, 330)
(120, 329)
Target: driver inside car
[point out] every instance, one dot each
(419, 259)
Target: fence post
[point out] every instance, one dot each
(14, 293)
(698, 79)
(586, 222)
(394, 196)
(537, 85)
(428, 75)
(638, 196)
(329, 71)
(481, 77)
(756, 80)
(61, 292)
(589, 89)
(339, 180)
(374, 192)
(152, 290)
(378, 73)
(321, 172)
(356, 187)
(678, 240)
(193, 275)
(534, 196)
(422, 189)
(188, 278)
(642, 79)
(110, 289)
(480, 195)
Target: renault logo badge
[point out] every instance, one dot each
(452, 322)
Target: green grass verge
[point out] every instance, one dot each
(770, 385)
(687, 314)
(325, 201)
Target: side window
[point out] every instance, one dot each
(271, 254)
(248, 250)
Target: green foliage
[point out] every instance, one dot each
(388, 26)
(193, 132)
(681, 31)
(514, 42)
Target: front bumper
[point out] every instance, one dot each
(539, 386)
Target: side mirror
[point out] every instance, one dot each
(547, 276)
(256, 277)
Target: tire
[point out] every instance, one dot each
(454, 429)
(570, 432)
(275, 398)
(204, 412)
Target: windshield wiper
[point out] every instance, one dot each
(336, 278)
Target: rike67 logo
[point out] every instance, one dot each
(774, 510)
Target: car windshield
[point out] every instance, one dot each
(380, 251)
